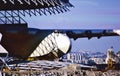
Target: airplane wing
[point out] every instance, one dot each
(75, 34)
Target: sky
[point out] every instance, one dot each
(86, 14)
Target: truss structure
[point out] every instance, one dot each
(10, 17)
(13, 11)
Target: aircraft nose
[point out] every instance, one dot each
(63, 43)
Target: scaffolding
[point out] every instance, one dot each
(13, 11)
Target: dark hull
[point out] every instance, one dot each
(21, 43)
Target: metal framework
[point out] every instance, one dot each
(13, 11)
(10, 17)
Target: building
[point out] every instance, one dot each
(85, 57)
(76, 57)
(98, 60)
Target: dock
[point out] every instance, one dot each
(54, 68)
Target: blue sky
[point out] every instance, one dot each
(87, 14)
(94, 44)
